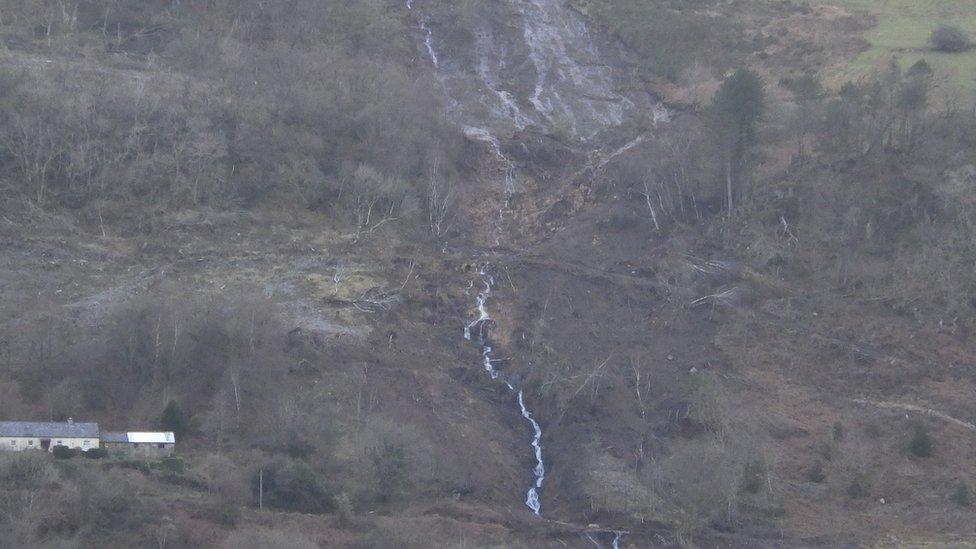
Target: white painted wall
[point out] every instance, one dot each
(31, 443)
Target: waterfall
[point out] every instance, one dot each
(574, 91)
(482, 324)
(532, 496)
(508, 106)
(429, 42)
(485, 136)
(573, 87)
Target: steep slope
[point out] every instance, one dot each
(549, 79)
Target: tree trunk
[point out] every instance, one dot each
(729, 183)
(650, 206)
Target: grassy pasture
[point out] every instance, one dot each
(902, 31)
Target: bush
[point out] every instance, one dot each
(391, 470)
(297, 448)
(63, 452)
(291, 485)
(949, 39)
(921, 443)
(345, 510)
(920, 69)
(172, 465)
(137, 464)
(817, 474)
(26, 470)
(221, 512)
(268, 539)
(702, 476)
(856, 489)
(838, 432)
(96, 453)
(753, 477)
(960, 496)
(174, 418)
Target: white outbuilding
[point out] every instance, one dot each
(140, 444)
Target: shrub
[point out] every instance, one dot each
(227, 514)
(291, 485)
(391, 469)
(838, 431)
(817, 474)
(298, 448)
(701, 477)
(137, 464)
(63, 452)
(753, 476)
(96, 453)
(949, 38)
(921, 443)
(221, 512)
(856, 489)
(960, 496)
(174, 418)
(172, 465)
(920, 69)
(27, 470)
(268, 539)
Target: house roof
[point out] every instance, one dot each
(39, 429)
(114, 437)
(152, 438)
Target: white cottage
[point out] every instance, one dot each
(27, 435)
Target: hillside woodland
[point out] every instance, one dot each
(264, 225)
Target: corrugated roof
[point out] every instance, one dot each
(152, 438)
(114, 437)
(41, 429)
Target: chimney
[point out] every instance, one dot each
(71, 421)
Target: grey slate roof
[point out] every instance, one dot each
(48, 429)
(115, 437)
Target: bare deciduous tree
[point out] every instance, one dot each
(440, 201)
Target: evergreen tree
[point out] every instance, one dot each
(736, 110)
(921, 443)
(808, 94)
(174, 418)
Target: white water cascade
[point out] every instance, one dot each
(483, 324)
(574, 90)
(488, 66)
(485, 136)
(429, 42)
(573, 86)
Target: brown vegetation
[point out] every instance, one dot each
(250, 222)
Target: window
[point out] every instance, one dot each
(60, 443)
(136, 445)
(162, 445)
(84, 443)
(13, 443)
(30, 442)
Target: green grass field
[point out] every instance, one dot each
(903, 29)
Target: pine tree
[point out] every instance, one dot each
(174, 418)
(736, 110)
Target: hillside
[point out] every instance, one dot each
(487, 274)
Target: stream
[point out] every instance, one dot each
(482, 325)
(573, 91)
